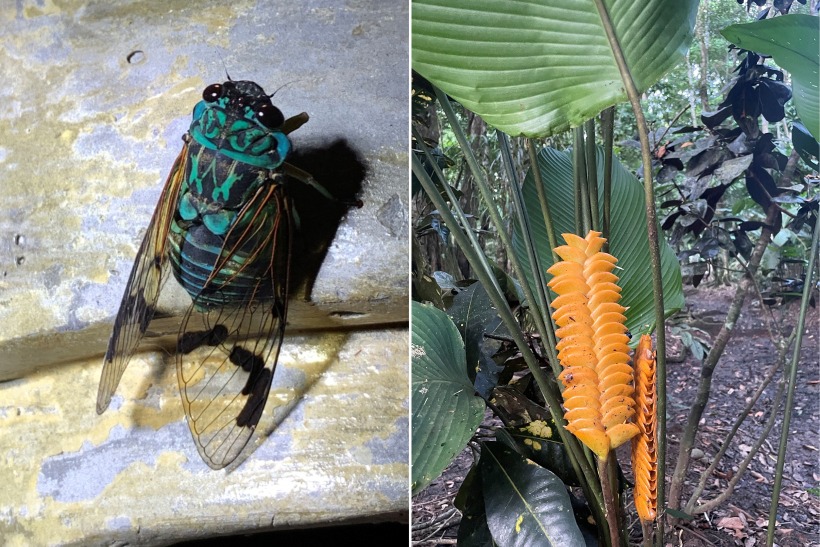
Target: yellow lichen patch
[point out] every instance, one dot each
(540, 428)
(593, 348)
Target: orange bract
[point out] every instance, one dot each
(597, 376)
(644, 455)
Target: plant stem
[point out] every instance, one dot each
(608, 129)
(654, 253)
(542, 195)
(579, 177)
(610, 507)
(784, 435)
(592, 174)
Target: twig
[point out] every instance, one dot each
(433, 543)
(730, 487)
(738, 422)
(668, 127)
(697, 535)
(439, 523)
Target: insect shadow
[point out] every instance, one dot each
(340, 169)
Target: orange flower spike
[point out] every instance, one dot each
(644, 451)
(592, 348)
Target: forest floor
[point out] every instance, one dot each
(742, 519)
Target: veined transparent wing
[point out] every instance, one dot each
(142, 291)
(224, 385)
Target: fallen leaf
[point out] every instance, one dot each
(731, 523)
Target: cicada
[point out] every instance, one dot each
(224, 225)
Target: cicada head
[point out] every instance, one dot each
(238, 119)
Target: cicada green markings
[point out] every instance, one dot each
(223, 223)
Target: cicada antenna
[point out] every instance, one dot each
(280, 88)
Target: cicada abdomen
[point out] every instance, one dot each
(223, 224)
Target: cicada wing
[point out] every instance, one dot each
(225, 386)
(143, 288)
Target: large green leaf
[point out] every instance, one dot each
(628, 240)
(792, 41)
(446, 413)
(538, 67)
(525, 503)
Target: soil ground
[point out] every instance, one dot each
(741, 519)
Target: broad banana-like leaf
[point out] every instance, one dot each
(539, 67)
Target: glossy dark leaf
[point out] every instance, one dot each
(526, 504)
(792, 41)
(751, 225)
(731, 169)
(714, 119)
(473, 530)
(773, 97)
(761, 186)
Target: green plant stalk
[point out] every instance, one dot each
(592, 173)
(484, 189)
(579, 176)
(454, 200)
(542, 196)
(784, 435)
(524, 223)
(654, 255)
(608, 129)
(579, 464)
(545, 212)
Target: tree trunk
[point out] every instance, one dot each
(708, 367)
(702, 34)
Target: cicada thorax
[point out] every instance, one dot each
(231, 211)
(223, 235)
